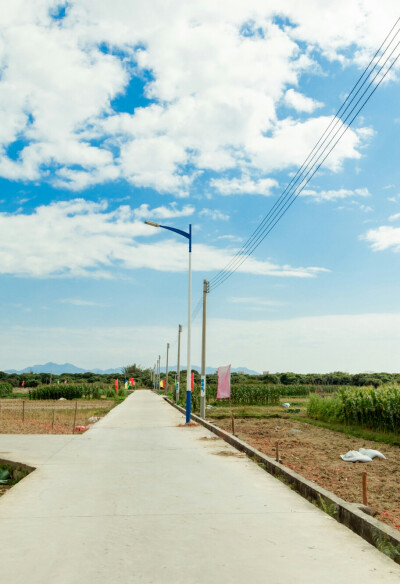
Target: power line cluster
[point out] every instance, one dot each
(373, 75)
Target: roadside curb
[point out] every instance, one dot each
(349, 514)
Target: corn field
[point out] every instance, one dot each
(240, 395)
(375, 408)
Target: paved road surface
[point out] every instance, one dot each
(142, 499)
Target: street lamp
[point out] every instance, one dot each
(188, 236)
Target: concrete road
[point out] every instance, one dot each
(141, 498)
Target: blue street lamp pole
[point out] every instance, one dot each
(188, 236)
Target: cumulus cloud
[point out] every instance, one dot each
(208, 102)
(163, 212)
(87, 239)
(244, 186)
(383, 238)
(300, 102)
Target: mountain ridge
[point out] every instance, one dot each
(58, 369)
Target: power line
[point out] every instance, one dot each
(310, 166)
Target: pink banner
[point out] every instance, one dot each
(224, 382)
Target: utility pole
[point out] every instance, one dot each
(159, 373)
(166, 373)
(178, 372)
(206, 290)
(154, 376)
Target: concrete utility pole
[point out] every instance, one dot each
(159, 372)
(166, 372)
(154, 376)
(178, 368)
(206, 290)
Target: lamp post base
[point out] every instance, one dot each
(188, 406)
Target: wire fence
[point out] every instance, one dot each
(19, 416)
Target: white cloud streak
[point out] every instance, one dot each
(86, 239)
(79, 302)
(335, 195)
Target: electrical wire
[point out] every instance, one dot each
(312, 162)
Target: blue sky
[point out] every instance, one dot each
(111, 114)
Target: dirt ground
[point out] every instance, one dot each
(315, 453)
(36, 416)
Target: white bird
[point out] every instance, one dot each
(286, 405)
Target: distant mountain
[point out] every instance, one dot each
(57, 369)
(211, 370)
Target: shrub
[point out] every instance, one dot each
(5, 389)
(57, 392)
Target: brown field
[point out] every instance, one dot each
(19, 416)
(315, 452)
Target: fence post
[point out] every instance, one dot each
(76, 407)
(364, 488)
(52, 422)
(23, 411)
(277, 451)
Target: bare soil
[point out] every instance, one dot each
(36, 416)
(315, 453)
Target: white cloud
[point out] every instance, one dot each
(394, 217)
(171, 212)
(335, 195)
(213, 104)
(383, 238)
(252, 301)
(214, 214)
(300, 102)
(233, 238)
(79, 302)
(83, 238)
(244, 186)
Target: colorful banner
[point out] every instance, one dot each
(116, 385)
(192, 381)
(224, 382)
(126, 384)
(132, 382)
(162, 383)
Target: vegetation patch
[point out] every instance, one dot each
(10, 475)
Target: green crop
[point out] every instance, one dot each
(375, 408)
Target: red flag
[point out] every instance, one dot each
(116, 385)
(23, 383)
(192, 381)
(132, 381)
(162, 383)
